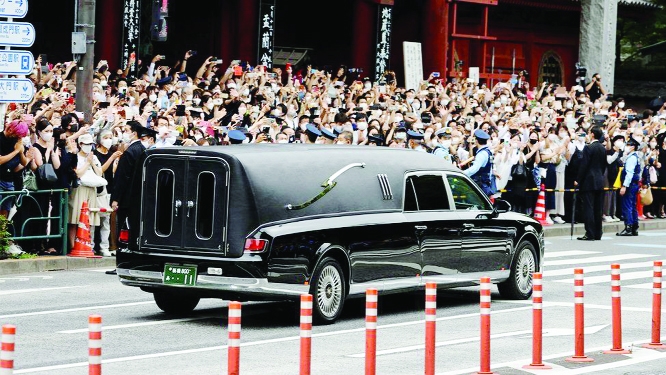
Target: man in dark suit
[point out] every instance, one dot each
(590, 183)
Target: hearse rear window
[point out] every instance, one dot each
(465, 196)
(425, 193)
(205, 205)
(164, 202)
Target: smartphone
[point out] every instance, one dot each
(238, 71)
(28, 118)
(435, 74)
(192, 53)
(272, 75)
(288, 66)
(103, 105)
(180, 110)
(224, 95)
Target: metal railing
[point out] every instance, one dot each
(16, 226)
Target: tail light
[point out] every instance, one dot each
(255, 246)
(124, 236)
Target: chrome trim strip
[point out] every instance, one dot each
(239, 285)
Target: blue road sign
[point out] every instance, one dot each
(16, 34)
(13, 8)
(16, 90)
(16, 62)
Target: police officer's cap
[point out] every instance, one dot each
(411, 134)
(480, 134)
(141, 130)
(312, 129)
(376, 139)
(632, 142)
(444, 132)
(236, 137)
(327, 133)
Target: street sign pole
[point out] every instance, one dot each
(84, 73)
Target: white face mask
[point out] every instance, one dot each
(26, 141)
(103, 83)
(210, 106)
(170, 140)
(583, 100)
(638, 138)
(152, 98)
(341, 143)
(569, 105)
(114, 140)
(100, 97)
(619, 145)
(245, 92)
(106, 143)
(401, 136)
(446, 143)
(86, 149)
(196, 101)
(620, 105)
(146, 144)
(127, 137)
(503, 100)
(197, 137)
(361, 125)
(283, 141)
(597, 105)
(46, 136)
(653, 144)
(552, 137)
(494, 118)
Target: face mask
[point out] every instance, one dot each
(104, 83)
(283, 141)
(196, 101)
(127, 137)
(46, 136)
(653, 144)
(74, 128)
(401, 136)
(563, 135)
(597, 105)
(26, 141)
(364, 106)
(446, 143)
(197, 137)
(620, 105)
(245, 92)
(170, 140)
(114, 141)
(210, 106)
(99, 97)
(340, 143)
(534, 141)
(361, 125)
(367, 86)
(569, 105)
(86, 149)
(410, 100)
(638, 139)
(146, 144)
(494, 118)
(416, 104)
(152, 98)
(583, 100)
(497, 104)
(503, 100)
(106, 143)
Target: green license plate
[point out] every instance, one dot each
(180, 275)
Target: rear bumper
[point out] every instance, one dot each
(252, 287)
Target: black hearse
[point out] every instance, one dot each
(271, 222)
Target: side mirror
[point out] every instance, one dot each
(501, 206)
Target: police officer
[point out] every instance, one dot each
(236, 137)
(415, 140)
(441, 149)
(630, 177)
(481, 170)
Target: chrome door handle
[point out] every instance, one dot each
(468, 226)
(190, 204)
(177, 206)
(420, 227)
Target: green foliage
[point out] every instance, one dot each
(4, 237)
(638, 30)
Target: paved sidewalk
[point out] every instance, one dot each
(57, 263)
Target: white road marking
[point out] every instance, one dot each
(569, 253)
(19, 291)
(644, 245)
(101, 270)
(98, 307)
(643, 286)
(251, 343)
(609, 258)
(24, 278)
(607, 278)
(571, 304)
(652, 234)
(591, 269)
(143, 324)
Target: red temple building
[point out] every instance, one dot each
(500, 37)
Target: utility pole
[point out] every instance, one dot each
(84, 72)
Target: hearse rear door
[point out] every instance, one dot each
(184, 202)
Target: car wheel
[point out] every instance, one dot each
(519, 283)
(328, 291)
(175, 304)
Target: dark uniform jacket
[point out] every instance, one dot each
(123, 177)
(592, 168)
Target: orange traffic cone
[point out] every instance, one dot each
(83, 243)
(540, 210)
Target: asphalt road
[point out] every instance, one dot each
(50, 311)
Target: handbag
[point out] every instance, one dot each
(29, 180)
(618, 181)
(518, 170)
(45, 172)
(91, 179)
(103, 201)
(653, 174)
(646, 196)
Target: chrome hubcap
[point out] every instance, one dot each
(329, 291)
(525, 267)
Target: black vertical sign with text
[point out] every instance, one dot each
(384, 24)
(131, 29)
(266, 32)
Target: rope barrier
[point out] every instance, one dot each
(572, 190)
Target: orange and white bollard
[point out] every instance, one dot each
(579, 332)
(656, 343)
(616, 312)
(370, 331)
(537, 324)
(485, 327)
(95, 345)
(7, 349)
(306, 334)
(430, 329)
(233, 346)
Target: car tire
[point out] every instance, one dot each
(175, 304)
(519, 283)
(328, 290)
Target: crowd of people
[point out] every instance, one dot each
(530, 136)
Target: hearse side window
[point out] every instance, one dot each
(164, 202)
(465, 196)
(425, 193)
(205, 205)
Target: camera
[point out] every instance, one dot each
(581, 73)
